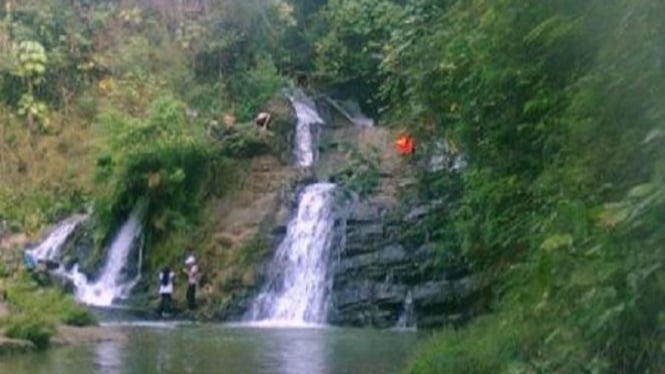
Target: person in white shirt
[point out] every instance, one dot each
(166, 278)
(192, 271)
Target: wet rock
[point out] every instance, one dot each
(354, 294)
(422, 210)
(390, 294)
(354, 264)
(80, 249)
(392, 254)
(380, 266)
(365, 212)
(434, 292)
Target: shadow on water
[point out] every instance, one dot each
(152, 347)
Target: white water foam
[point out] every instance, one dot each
(298, 289)
(112, 283)
(50, 248)
(407, 320)
(308, 118)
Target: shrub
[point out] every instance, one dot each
(244, 141)
(76, 315)
(49, 303)
(255, 88)
(163, 160)
(30, 326)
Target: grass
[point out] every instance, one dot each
(37, 311)
(42, 179)
(31, 327)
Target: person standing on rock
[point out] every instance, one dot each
(262, 120)
(166, 278)
(192, 271)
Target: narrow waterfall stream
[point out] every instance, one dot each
(115, 280)
(306, 129)
(50, 248)
(407, 318)
(298, 289)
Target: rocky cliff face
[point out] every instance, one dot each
(381, 265)
(386, 269)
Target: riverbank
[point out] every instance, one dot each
(62, 335)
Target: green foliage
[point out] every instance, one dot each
(31, 208)
(36, 311)
(350, 51)
(256, 87)
(253, 251)
(30, 60)
(32, 327)
(49, 303)
(361, 173)
(163, 161)
(75, 315)
(244, 141)
(555, 107)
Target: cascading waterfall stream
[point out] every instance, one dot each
(113, 282)
(308, 119)
(297, 292)
(50, 248)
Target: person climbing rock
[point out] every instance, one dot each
(405, 145)
(29, 261)
(263, 120)
(302, 80)
(192, 271)
(166, 278)
(38, 269)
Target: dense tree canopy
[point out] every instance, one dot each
(557, 107)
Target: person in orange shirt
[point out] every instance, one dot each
(405, 145)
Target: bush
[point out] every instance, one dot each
(30, 326)
(243, 141)
(49, 303)
(76, 315)
(163, 160)
(561, 204)
(255, 88)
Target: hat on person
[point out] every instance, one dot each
(190, 260)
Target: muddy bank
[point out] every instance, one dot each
(69, 335)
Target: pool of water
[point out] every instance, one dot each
(205, 348)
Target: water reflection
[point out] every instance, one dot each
(109, 357)
(220, 349)
(298, 351)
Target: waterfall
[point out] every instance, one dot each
(406, 320)
(298, 288)
(306, 130)
(50, 248)
(115, 281)
(297, 291)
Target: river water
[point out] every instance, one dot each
(209, 348)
